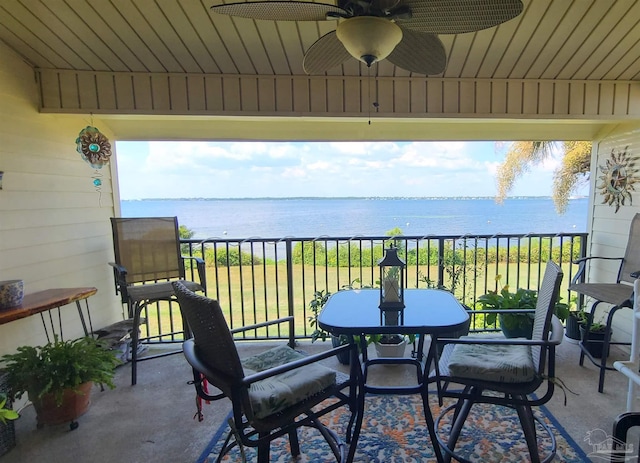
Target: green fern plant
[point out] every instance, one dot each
(57, 366)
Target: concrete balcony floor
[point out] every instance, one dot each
(153, 421)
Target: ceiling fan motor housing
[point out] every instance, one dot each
(369, 38)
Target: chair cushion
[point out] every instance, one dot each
(500, 363)
(278, 392)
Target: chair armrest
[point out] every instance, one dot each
(120, 281)
(202, 272)
(555, 338)
(586, 259)
(504, 311)
(262, 324)
(118, 268)
(190, 353)
(295, 364)
(494, 341)
(582, 266)
(557, 331)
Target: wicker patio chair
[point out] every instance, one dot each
(503, 371)
(147, 259)
(273, 393)
(618, 294)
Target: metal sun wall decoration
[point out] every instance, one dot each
(95, 149)
(617, 179)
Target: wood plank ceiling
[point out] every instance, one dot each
(568, 39)
(571, 40)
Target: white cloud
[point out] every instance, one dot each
(242, 169)
(294, 172)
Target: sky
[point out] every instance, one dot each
(314, 169)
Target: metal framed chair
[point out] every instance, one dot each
(273, 393)
(147, 260)
(503, 371)
(618, 294)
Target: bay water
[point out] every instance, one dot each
(345, 217)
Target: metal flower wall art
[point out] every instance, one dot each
(95, 149)
(617, 179)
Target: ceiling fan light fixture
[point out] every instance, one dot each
(369, 38)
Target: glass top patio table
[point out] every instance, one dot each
(427, 312)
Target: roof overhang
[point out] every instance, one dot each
(143, 127)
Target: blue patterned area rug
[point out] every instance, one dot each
(394, 431)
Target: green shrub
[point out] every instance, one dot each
(229, 258)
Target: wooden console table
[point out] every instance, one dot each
(44, 301)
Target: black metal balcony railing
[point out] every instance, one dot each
(259, 279)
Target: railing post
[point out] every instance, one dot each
(440, 262)
(583, 254)
(290, 304)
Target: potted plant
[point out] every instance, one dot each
(512, 325)
(572, 328)
(58, 377)
(516, 325)
(594, 342)
(390, 345)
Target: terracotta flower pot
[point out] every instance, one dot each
(74, 404)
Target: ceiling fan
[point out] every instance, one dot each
(402, 31)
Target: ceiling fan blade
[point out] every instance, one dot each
(325, 53)
(419, 52)
(389, 9)
(280, 11)
(459, 16)
(386, 4)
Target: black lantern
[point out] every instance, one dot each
(391, 284)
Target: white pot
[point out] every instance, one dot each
(391, 350)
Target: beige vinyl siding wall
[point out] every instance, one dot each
(610, 229)
(54, 225)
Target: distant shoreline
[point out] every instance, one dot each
(371, 198)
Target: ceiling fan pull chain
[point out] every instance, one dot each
(369, 91)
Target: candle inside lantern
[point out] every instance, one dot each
(391, 292)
